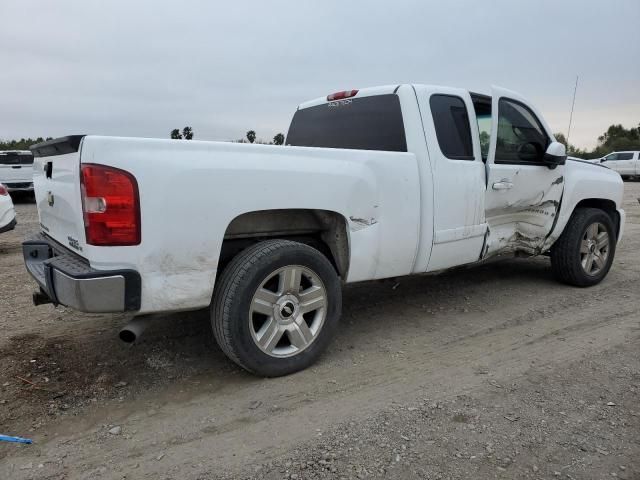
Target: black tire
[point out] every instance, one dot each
(566, 261)
(234, 292)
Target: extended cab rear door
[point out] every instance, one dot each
(523, 194)
(459, 227)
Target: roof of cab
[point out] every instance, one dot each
(382, 90)
(363, 92)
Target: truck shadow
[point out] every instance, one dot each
(19, 198)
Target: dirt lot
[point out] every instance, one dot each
(490, 372)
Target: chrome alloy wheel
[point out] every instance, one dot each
(594, 248)
(288, 311)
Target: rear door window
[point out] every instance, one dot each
(452, 126)
(625, 156)
(367, 123)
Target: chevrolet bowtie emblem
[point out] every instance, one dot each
(50, 199)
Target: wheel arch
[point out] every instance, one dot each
(325, 230)
(607, 205)
(567, 211)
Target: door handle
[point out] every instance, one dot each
(503, 185)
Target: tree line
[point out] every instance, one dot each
(615, 139)
(185, 134)
(250, 137)
(22, 144)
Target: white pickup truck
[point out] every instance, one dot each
(627, 164)
(400, 180)
(16, 170)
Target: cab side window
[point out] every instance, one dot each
(521, 138)
(452, 126)
(625, 156)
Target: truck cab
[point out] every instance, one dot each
(492, 174)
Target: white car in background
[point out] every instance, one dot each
(16, 170)
(7, 212)
(627, 164)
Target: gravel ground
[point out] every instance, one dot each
(494, 371)
(533, 427)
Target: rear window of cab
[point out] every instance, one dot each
(367, 123)
(16, 158)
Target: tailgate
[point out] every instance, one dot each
(56, 181)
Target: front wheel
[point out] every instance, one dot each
(276, 307)
(583, 254)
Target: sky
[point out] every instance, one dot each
(142, 68)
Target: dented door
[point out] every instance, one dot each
(523, 194)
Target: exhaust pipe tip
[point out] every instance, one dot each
(127, 336)
(132, 331)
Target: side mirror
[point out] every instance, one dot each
(555, 155)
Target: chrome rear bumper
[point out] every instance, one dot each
(67, 279)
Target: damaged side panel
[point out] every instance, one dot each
(360, 223)
(520, 220)
(524, 190)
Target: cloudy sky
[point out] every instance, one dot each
(141, 68)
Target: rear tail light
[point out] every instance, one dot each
(342, 95)
(3, 190)
(111, 206)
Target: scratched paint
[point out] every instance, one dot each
(360, 223)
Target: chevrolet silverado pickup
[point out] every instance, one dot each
(374, 183)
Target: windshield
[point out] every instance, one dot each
(368, 123)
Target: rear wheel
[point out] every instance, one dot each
(583, 255)
(276, 307)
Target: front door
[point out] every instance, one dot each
(523, 194)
